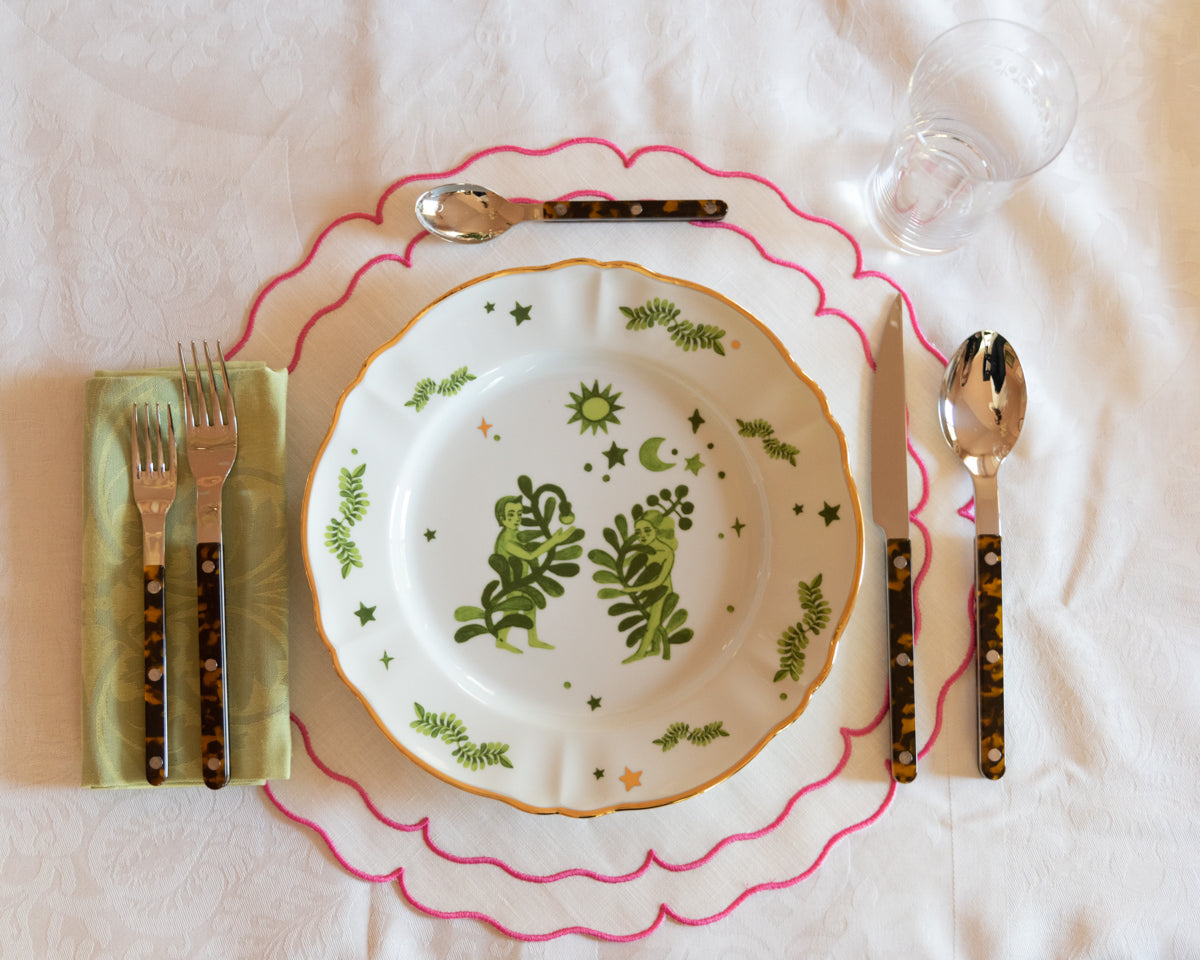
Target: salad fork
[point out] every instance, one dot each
(211, 434)
(153, 470)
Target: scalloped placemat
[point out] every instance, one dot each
(773, 825)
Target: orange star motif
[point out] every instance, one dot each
(484, 426)
(631, 779)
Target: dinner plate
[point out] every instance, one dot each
(582, 537)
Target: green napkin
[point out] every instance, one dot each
(256, 582)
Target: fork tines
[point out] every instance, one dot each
(222, 411)
(155, 464)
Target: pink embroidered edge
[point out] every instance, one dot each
(664, 910)
(628, 160)
(406, 260)
(423, 825)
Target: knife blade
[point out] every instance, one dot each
(889, 503)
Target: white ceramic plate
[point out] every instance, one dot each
(582, 537)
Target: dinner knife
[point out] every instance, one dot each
(889, 502)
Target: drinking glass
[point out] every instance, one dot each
(990, 103)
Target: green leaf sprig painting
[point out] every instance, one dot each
(427, 387)
(774, 448)
(637, 574)
(449, 729)
(678, 733)
(352, 509)
(528, 558)
(684, 333)
(794, 640)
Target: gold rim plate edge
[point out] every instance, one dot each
(835, 638)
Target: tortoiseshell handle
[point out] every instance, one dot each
(989, 642)
(214, 717)
(154, 583)
(634, 210)
(902, 686)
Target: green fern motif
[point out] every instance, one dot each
(337, 539)
(794, 640)
(653, 313)
(427, 388)
(676, 734)
(422, 393)
(354, 498)
(679, 732)
(352, 509)
(451, 730)
(685, 334)
(791, 652)
(776, 449)
(816, 608)
(455, 382)
(697, 336)
(703, 736)
(445, 727)
(773, 447)
(755, 428)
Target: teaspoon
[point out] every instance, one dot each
(466, 213)
(982, 407)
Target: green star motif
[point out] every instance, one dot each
(385, 660)
(489, 307)
(615, 455)
(594, 702)
(430, 535)
(830, 513)
(365, 614)
(598, 773)
(520, 313)
(694, 464)
(798, 509)
(738, 527)
(696, 420)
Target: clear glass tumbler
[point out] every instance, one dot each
(990, 103)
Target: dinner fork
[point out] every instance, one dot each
(153, 470)
(211, 433)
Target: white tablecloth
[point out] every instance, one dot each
(161, 164)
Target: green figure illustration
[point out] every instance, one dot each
(637, 575)
(529, 559)
(510, 546)
(656, 533)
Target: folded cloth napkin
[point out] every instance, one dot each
(256, 581)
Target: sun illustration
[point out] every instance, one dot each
(595, 408)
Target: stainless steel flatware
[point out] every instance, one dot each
(982, 408)
(153, 469)
(889, 501)
(211, 431)
(467, 213)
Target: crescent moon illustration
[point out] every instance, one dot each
(648, 455)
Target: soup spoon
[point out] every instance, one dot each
(466, 213)
(982, 407)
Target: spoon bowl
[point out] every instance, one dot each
(468, 213)
(982, 402)
(982, 410)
